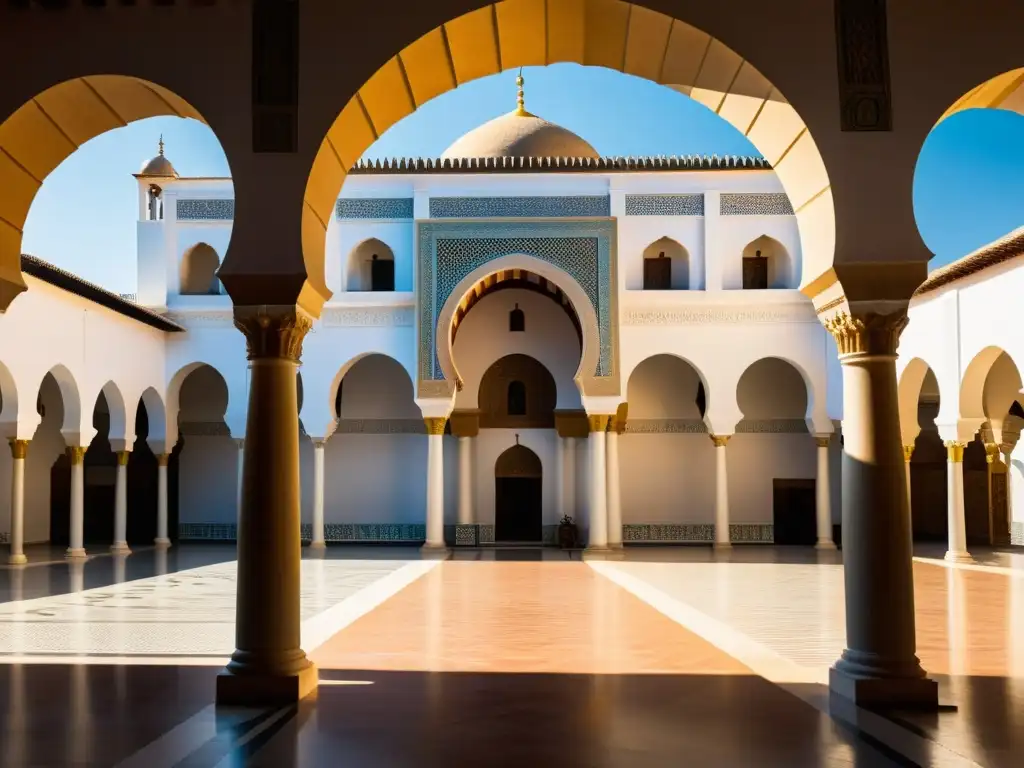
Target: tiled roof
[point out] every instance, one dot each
(71, 283)
(1007, 247)
(559, 164)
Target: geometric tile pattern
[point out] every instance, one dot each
(665, 205)
(693, 533)
(375, 208)
(771, 426)
(1017, 534)
(485, 534)
(498, 207)
(337, 532)
(206, 210)
(449, 251)
(5, 537)
(381, 427)
(756, 204)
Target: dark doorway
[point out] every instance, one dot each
(518, 499)
(382, 274)
(755, 272)
(793, 508)
(658, 273)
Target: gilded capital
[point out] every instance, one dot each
(720, 441)
(274, 332)
(598, 422)
(955, 450)
(618, 423)
(435, 424)
(76, 453)
(867, 334)
(991, 452)
(162, 459)
(19, 448)
(908, 452)
(122, 458)
(823, 442)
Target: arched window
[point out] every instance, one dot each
(199, 271)
(755, 272)
(516, 320)
(767, 264)
(516, 398)
(658, 273)
(156, 203)
(666, 266)
(371, 267)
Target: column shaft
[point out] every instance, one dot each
(120, 545)
(268, 666)
(614, 491)
(722, 538)
(317, 539)
(823, 490)
(598, 531)
(569, 473)
(435, 483)
(465, 513)
(162, 539)
(75, 549)
(955, 512)
(19, 452)
(239, 482)
(879, 667)
(908, 453)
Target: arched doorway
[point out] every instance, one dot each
(518, 496)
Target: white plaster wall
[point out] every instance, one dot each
(667, 478)
(490, 444)
(636, 233)
(396, 235)
(484, 338)
(208, 480)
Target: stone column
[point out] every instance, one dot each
(879, 667)
(616, 428)
(823, 498)
(76, 550)
(722, 538)
(435, 483)
(598, 531)
(466, 515)
(19, 452)
(268, 667)
(908, 454)
(317, 540)
(955, 513)
(240, 467)
(162, 540)
(120, 545)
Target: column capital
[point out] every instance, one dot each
(273, 331)
(867, 333)
(908, 452)
(240, 443)
(162, 459)
(991, 452)
(19, 448)
(571, 423)
(598, 422)
(618, 421)
(822, 441)
(720, 441)
(122, 458)
(76, 453)
(318, 442)
(955, 450)
(435, 424)
(465, 423)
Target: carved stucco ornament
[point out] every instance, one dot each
(273, 331)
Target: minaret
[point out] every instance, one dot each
(520, 97)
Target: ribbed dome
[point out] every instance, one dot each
(159, 165)
(520, 134)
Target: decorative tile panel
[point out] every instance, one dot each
(5, 537)
(519, 207)
(374, 208)
(752, 533)
(1017, 533)
(485, 534)
(216, 209)
(795, 313)
(335, 532)
(668, 533)
(665, 426)
(756, 204)
(368, 317)
(465, 535)
(772, 426)
(665, 205)
(381, 427)
(207, 531)
(449, 251)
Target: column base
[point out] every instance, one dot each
(318, 545)
(827, 544)
(75, 554)
(434, 550)
(958, 557)
(120, 548)
(723, 545)
(918, 693)
(162, 543)
(255, 690)
(16, 559)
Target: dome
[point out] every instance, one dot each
(519, 134)
(159, 165)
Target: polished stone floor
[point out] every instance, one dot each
(662, 657)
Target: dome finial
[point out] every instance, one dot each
(161, 145)
(520, 98)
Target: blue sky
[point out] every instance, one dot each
(968, 190)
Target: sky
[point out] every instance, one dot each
(968, 186)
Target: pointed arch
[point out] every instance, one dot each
(779, 271)
(71, 398)
(117, 410)
(788, 382)
(370, 267)
(156, 416)
(8, 402)
(666, 265)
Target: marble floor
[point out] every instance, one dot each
(659, 657)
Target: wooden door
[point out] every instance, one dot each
(755, 273)
(658, 274)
